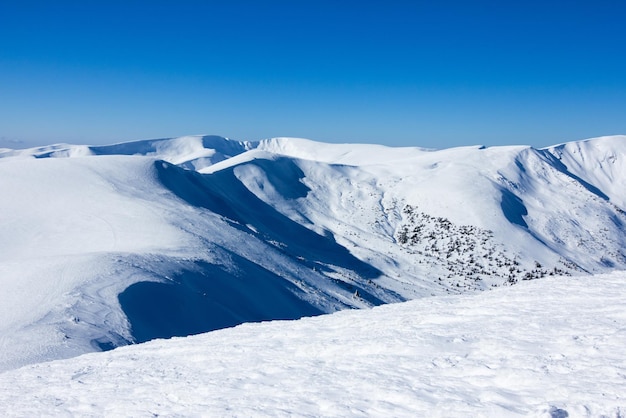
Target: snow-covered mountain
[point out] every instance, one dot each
(104, 246)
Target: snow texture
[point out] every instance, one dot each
(105, 246)
(547, 348)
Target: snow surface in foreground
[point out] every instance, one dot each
(551, 347)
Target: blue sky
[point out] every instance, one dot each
(423, 73)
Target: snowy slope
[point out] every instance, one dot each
(547, 348)
(104, 246)
(65, 224)
(79, 232)
(526, 200)
(599, 162)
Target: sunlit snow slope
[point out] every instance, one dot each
(105, 246)
(548, 348)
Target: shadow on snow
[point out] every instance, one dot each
(224, 194)
(207, 297)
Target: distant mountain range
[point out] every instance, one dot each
(109, 245)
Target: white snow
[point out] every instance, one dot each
(546, 348)
(102, 246)
(600, 162)
(49, 204)
(62, 219)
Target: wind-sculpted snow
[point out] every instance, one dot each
(567, 214)
(599, 162)
(110, 245)
(222, 193)
(547, 348)
(194, 152)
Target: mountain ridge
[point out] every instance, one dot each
(318, 227)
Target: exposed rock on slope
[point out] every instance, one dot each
(216, 232)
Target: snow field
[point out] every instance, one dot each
(551, 347)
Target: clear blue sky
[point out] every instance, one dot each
(424, 73)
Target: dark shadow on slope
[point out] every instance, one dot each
(513, 208)
(207, 297)
(224, 194)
